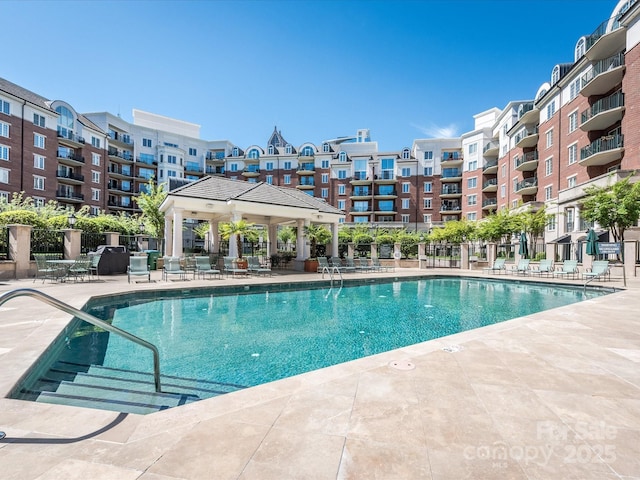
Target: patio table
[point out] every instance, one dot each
(62, 268)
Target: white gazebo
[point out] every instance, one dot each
(218, 199)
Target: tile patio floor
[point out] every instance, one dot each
(555, 395)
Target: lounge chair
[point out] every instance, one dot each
(255, 267)
(522, 267)
(544, 268)
(336, 262)
(203, 267)
(376, 266)
(569, 269)
(363, 265)
(138, 267)
(599, 269)
(349, 265)
(230, 268)
(322, 264)
(498, 266)
(172, 267)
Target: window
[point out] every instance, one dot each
(324, 192)
(95, 176)
(235, 152)
(269, 179)
(38, 140)
(342, 174)
(95, 194)
(573, 154)
(287, 165)
(4, 175)
(288, 149)
(4, 152)
(146, 142)
(551, 109)
(404, 218)
(95, 142)
(428, 155)
(503, 170)
(249, 180)
(172, 159)
(548, 192)
(580, 49)
(514, 204)
(428, 171)
(573, 121)
(427, 203)
(193, 152)
(473, 165)
(428, 187)
(95, 159)
(473, 148)
(269, 166)
(342, 156)
(406, 187)
(426, 218)
(472, 216)
(95, 211)
(472, 200)
(171, 173)
(472, 182)
(504, 151)
(253, 153)
(324, 178)
(38, 120)
(406, 171)
(38, 182)
(342, 189)
(287, 179)
(549, 136)
(271, 150)
(234, 167)
(341, 204)
(548, 166)
(5, 107)
(325, 149)
(405, 203)
(38, 162)
(503, 190)
(4, 129)
(551, 222)
(406, 154)
(572, 182)
(324, 164)
(574, 89)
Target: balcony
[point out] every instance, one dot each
(121, 139)
(360, 210)
(210, 170)
(306, 169)
(215, 156)
(527, 138)
(451, 175)
(386, 193)
(70, 177)
(69, 157)
(251, 171)
(360, 178)
(120, 188)
(603, 151)
(489, 204)
(491, 149)
(451, 191)
(528, 186)
(528, 114)
(490, 167)
(193, 167)
(386, 176)
(120, 204)
(306, 183)
(147, 159)
(528, 162)
(601, 43)
(361, 193)
(70, 138)
(451, 159)
(603, 76)
(120, 155)
(69, 196)
(118, 171)
(490, 185)
(451, 208)
(603, 113)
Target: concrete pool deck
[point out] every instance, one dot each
(554, 395)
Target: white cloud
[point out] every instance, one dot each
(435, 131)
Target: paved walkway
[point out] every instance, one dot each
(555, 395)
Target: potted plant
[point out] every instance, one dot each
(317, 235)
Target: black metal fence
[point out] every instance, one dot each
(89, 242)
(443, 255)
(47, 241)
(4, 243)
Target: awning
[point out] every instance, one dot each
(562, 239)
(602, 237)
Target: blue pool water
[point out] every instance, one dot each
(246, 340)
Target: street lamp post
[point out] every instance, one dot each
(71, 219)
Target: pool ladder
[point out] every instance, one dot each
(330, 271)
(29, 292)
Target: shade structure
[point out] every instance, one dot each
(592, 243)
(524, 249)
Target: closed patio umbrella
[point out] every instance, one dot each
(524, 249)
(592, 243)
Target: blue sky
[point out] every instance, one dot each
(316, 69)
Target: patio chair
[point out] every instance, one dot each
(336, 262)
(323, 263)
(599, 270)
(138, 267)
(363, 265)
(568, 269)
(349, 265)
(43, 270)
(230, 268)
(80, 268)
(93, 266)
(172, 267)
(255, 267)
(498, 266)
(203, 267)
(544, 268)
(522, 267)
(376, 266)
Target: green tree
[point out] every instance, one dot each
(149, 202)
(317, 235)
(287, 236)
(454, 231)
(240, 228)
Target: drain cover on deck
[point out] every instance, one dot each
(402, 365)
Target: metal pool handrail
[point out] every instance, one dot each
(89, 319)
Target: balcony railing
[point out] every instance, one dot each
(449, 156)
(527, 183)
(70, 176)
(451, 173)
(215, 155)
(193, 167)
(615, 100)
(489, 202)
(490, 164)
(451, 190)
(527, 132)
(450, 207)
(386, 175)
(390, 192)
(71, 136)
(602, 145)
(307, 181)
(490, 146)
(215, 170)
(148, 160)
(69, 195)
(125, 155)
(120, 187)
(361, 192)
(524, 108)
(70, 156)
(307, 166)
(122, 138)
(361, 208)
(490, 183)
(602, 66)
(527, 157)
(251, 169)
(126, 171)
(359, 175)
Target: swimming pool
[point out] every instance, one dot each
(212, 344)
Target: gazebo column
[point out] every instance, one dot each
(233, 242)
(214, 246)
(306, 245)
(334, 239)
(177, 232)
(273, 239)
(168, 234)
(300, 255)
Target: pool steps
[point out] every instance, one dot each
(127, 391)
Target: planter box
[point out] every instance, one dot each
(311, 266)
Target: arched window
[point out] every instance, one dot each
(235, 152)
(253, 153)
(325, 148)
(271, 150)
(66, 121)
(555, 75)
(580, 49)
(307, 151)
(288, 149)
(343, 156)
(406, 153)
